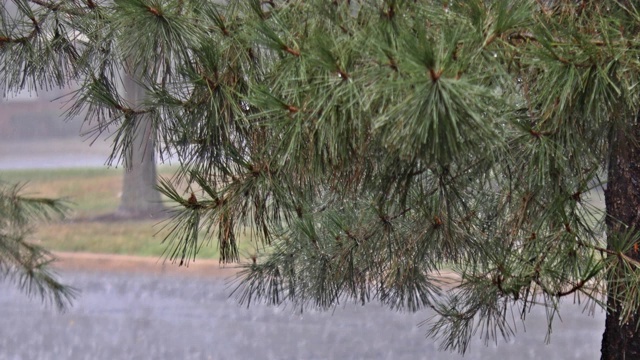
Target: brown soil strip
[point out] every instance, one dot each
(139, 264)
(78, 261)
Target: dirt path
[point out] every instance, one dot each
(110, 263)
(140, 264)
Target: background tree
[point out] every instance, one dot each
(140, 197)
(370, 144)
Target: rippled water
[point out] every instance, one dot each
(122, 316)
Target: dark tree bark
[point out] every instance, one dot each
(622, 197)
(140, 198)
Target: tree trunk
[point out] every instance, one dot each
(140, 198)
(622, 197)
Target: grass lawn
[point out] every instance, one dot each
(96, 191)
(93, 192)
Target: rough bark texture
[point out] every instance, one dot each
(622, 341)
(140, 198)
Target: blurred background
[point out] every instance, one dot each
(35, 134)
(133, 305)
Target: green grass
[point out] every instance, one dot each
(93, 192)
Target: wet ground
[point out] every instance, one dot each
(154, 316)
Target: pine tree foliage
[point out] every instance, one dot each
(368, 145)
(22, 262)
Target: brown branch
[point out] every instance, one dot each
(58, 7)
(437, 222)
(434, 75)
(539, 134)
(351, 236)
(536, 134)
(393, 65)
(292, 109)
(20, 40)
(48, 5)
(343, 75)
(180, 6)
(545, 9)
(579, 285)
(211, 83)
(490, 39)
(560, 293)
(154, 11)
(529, 37)
(610, 252)
(129, 111)
(291, 51)
(400, 214)
(523, 36)
(390, 13)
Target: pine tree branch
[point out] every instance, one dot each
(617, 254)
(59, 6)
(46, 4)
(51, 6)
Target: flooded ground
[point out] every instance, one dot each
(154, 316)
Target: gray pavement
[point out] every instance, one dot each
(59, 153)
(53, 153)
(144, 316)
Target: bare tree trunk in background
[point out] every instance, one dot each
(140, 198)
